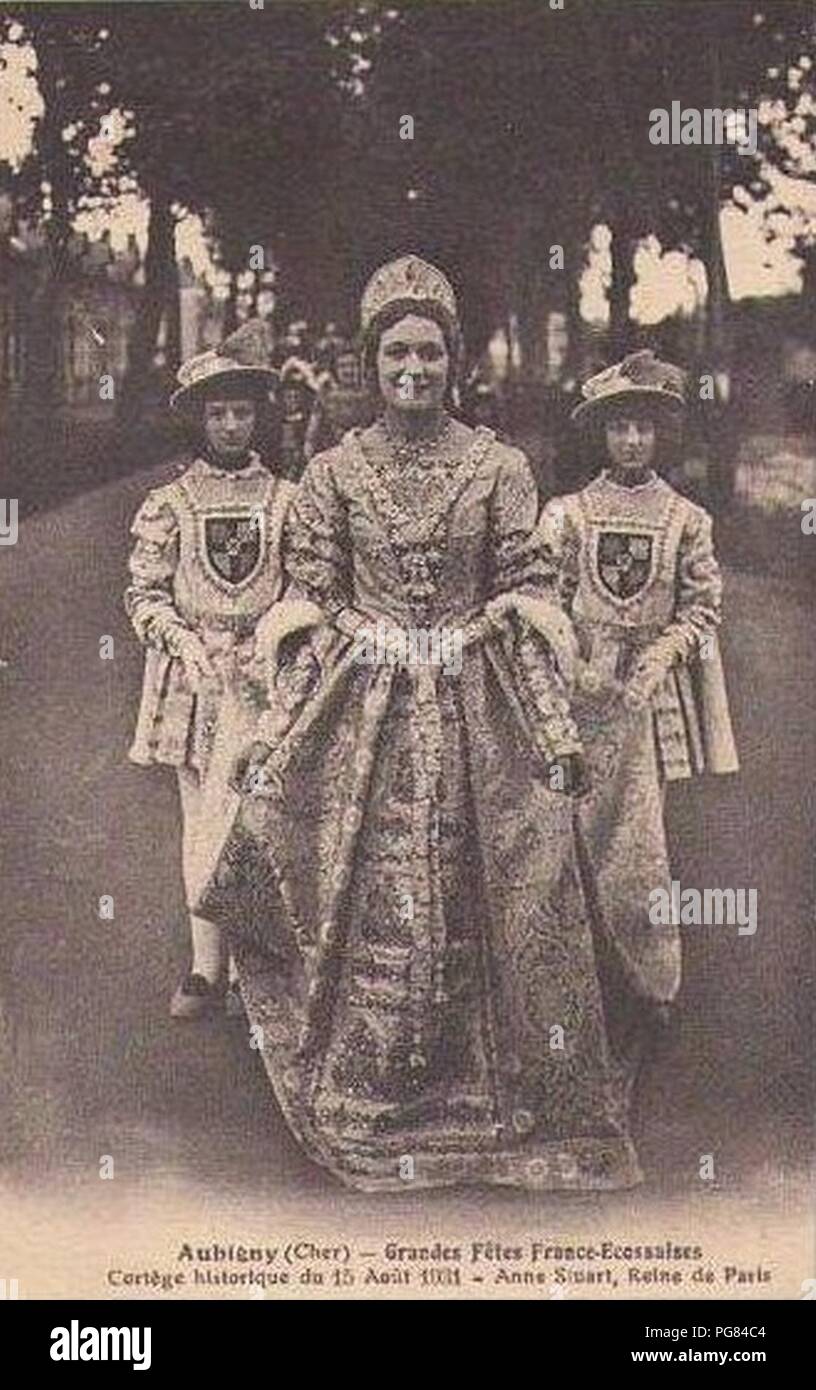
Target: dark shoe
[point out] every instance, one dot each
(233, 1003)
(194, 997)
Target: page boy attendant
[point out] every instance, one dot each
(641, 582)
(204, 568)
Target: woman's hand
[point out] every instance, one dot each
(497, 609)
(596, 701)
(594, 686)
(297, 676)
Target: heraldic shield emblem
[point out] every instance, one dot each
(624, 562)
(233, 545)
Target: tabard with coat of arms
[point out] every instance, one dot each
(233, 545)
(624, 562)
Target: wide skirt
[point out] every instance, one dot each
(426, 968)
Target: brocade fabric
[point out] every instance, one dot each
(404, 890)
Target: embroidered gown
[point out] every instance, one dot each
(402, 887)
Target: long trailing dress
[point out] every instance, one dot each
(402, 885)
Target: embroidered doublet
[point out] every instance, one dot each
(205, 559)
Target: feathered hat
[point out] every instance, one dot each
(243, 356)
(641, 376)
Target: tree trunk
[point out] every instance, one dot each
(713, 256)
(172, 347)
(160, 290)
(231, 307)
(42, 343)
(623, 278)
(720, 419)
(42, 338)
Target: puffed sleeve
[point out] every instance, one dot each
(542, 649)
(698, 606)
(698, 610)
(315, 539)
(152, 564)
(522, 558)
(317, 568)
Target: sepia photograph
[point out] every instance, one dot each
(407, 660)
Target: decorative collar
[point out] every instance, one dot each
(606, 477)
(252, 469)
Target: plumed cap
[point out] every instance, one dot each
(639, 376)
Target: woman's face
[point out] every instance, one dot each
(413, 365)
(631, 439)
(229, 424)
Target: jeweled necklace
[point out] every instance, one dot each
(416, 451)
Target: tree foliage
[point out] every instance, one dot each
(284, 127)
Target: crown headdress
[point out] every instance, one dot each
(407, 278)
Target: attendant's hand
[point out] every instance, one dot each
(199, 671)
(650, 670)
(643, 682)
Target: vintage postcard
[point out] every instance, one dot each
(407, 659)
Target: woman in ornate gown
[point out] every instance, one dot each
(401, 882)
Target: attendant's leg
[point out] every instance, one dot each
(207, 948)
